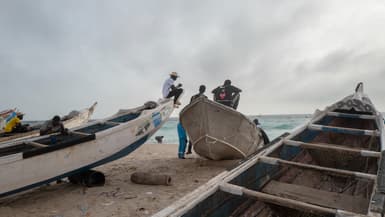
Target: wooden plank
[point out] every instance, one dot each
(110, 122)
(346, 115)
(275, 161)
(39, 145)
(351, 131)
(19, 135)
(362, 152)
(80, 133)
(318, 197)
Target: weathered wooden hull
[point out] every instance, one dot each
(218, 132)
(332, 165)
(33, 162)
(82, 117)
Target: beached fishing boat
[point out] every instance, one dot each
(219, 132)
(71, 120)
(332, 165)
(29, 163)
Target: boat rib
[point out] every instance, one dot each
(362, 152)
(344, 130)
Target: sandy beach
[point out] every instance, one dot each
(119, 196)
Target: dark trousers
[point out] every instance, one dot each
(20, 128)
(189, 146)
(175, 93)
(236, 101)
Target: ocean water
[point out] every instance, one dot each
(274, 125)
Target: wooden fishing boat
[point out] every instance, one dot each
(219, 132)
(331, 166)
(32, 162)
(71, 120)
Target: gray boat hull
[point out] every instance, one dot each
(218, 132)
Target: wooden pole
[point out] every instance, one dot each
(345, 130)
(298, 205)
(274, 161)
(346, 115)
(80, 133)
(362, 152)
(39, 145)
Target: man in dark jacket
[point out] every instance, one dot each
(202, 90)
(227, 94)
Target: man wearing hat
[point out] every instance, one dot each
(170, 90)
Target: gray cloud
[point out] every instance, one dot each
(287, 56)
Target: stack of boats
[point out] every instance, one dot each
(333, 165)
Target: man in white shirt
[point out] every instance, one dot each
(170, 90)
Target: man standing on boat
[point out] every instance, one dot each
(227, 94)
(170, 90)
(202, 90)
(201, 93)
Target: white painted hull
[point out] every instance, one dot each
(18, 174)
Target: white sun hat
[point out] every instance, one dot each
(174, 74)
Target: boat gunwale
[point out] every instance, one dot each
(208, 101)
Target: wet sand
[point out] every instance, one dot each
(119, 197)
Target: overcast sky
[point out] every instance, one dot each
(288, 56)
